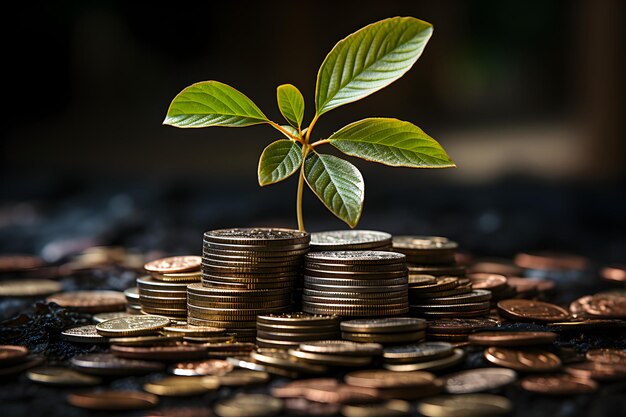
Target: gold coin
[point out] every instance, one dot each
(61, 376)
(433, 365)
(83, 334)
(28, 287)
(243, 377)
(386, 338)
(391, 408)
(281, 359)
(379, 378)
(248, 405)
(174, 264)
(178, 277)
(182, 386)
(189, 330)
(100, 317)
(342, 347)
(132, 326)
(466, 405)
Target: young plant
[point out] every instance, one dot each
(359, 65)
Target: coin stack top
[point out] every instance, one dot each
(355, 283)
(246, 272)
(350, 240)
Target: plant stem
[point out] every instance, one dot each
(305, 152)
(308, 132)
(320, 142)
(284, 132)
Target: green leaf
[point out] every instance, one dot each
(339, 185)
(368, 60)
(278, 161)
(291, 129)
(291, 104)
(391, 142)
(211, 103)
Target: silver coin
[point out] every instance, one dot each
(257, 234)
(423, 243)
(349, 239)
(420, 352)
(479, 380)
(355, 257)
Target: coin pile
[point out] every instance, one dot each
(246, 272)
(386, 331)
(164, 291)
(427, 356)
(355, 283)
(350, 240)
(133, 306)
(288, 330)
(446, 297)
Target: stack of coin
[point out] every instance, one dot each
(350, 240)
(163, 298)
(246, 272)
(340, 353)
(386, 331)
(227, 308)
(457, 329)
(447, 297)
(133, 306)
(427, 356)
(355, 283)
(288, 330)
(426, 250)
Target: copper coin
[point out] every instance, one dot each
(511, 338)
(380, 378)
(523, 360)
(526, 285)
(207, 367)
(529, 310)
(304, 407)
(606, 305)
(492, 282)
(551, 261)
(18, 263)
(341, 394)
(174, 264)
(28, 287)
(113, 400)
(479, 380)
(12, 353)
(500, 267)
(160, 353)
(597, 370)
(558, 385)
(12, 369)
(609, 356)
(457, 325)
(90, 301)
(614, 273)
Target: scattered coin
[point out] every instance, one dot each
(479, 380)
(108, 364)
(161, 353)
(523, 360)
(342, 347)
(249, 405)
(391, 408)
(422, 352)
(132, 326)
(175, 264)
(466, 405)
(615, 273)
(61, 376)
(182, 386)
(609, 356)
(512, 338)
(380, 378)
(84, 334)
(28, 288)
(597, 370)
(445, 362)
(243, 377)
(282, 359)
(113, 400)
(558, 385)
(90, 301)
(528, 310)
(12, 353)
(551, 261)
(203, 368)
(100, 317)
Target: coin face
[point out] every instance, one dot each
(174, 264)
(479, 380)
(512, 338)
(28, 288)
(249, 405)
(530, 310)
(113, 400)
(132, 326)
(90, 301)
(349, 239)
(83, 334)
(465, 405)
(558, 385)
(256, 235)
(523, 360)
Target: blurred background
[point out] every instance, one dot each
(526, 96)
